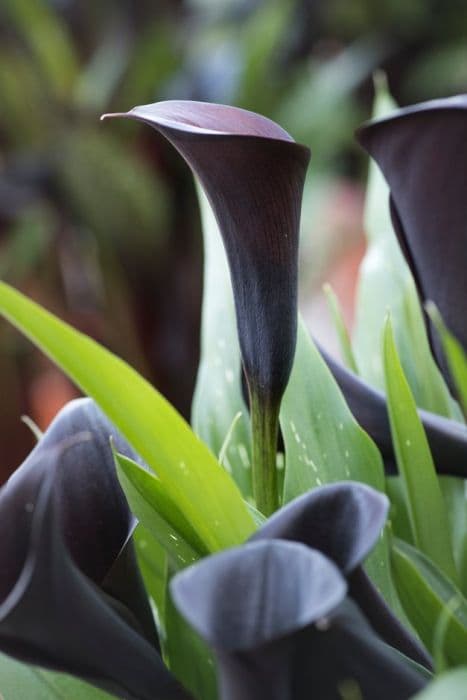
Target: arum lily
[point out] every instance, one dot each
(320, 519)
(422, 152)
(278, 619)
(71, 598)
(253, 173)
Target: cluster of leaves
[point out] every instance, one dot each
(326, 596)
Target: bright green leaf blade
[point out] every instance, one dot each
(425, 592)
(218, 396)
(426, 507)
(21, 682)
(188, 657)
(449, 686)
(324, 443)
(158, 514)
(191, 476)
(341, 330)
(386, 284)
(456, 357)
(152, 560)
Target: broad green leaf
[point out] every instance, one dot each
(152, 560)
(21, 682)
(456, 357)
(341, 330)
(324, 443)
(448, 686)
(158, 514)
(425, 503)
(188, 657)
(386, 284)
(218, 396)
(425, 592)
(190, 475)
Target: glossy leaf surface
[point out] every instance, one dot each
(188, 470)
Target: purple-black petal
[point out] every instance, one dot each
(71, 596)
(274, 613)
(253, 175)
(344, 521)
(422, 151)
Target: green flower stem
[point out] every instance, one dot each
(264, 429)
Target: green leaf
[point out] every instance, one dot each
(188, 657)
(157, 512)
(449, 686)
(190, 474)
(425, 592)
(218, 396)
(386, 284)
(341, 330)
(18, 681)
(456, 357)
(152, 560)
(425, 503)
(455, 496)
(324, 443)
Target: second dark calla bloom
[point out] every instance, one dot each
(422, 151)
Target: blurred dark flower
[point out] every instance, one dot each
(71, 598)
(422, 151)
(253, 173)
(277, 613)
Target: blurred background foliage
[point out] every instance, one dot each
(99, 222)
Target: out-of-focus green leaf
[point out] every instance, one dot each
(188, 657)
(189, 473)
(341, 330)
(156, 511)
(425, 503)
(448, 686)
(154, 59)
(22, 94)
(385, 284)
(324, 443)
(456, 357)
(100, 77)
(47, 37)
(218, 396)
(111, 190)
(425, 592)
(19, 681)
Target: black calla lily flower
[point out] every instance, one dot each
(422, 152)
(447, 438)
(71, 598)
(253, 174)
(344, 521)
(276, 616)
